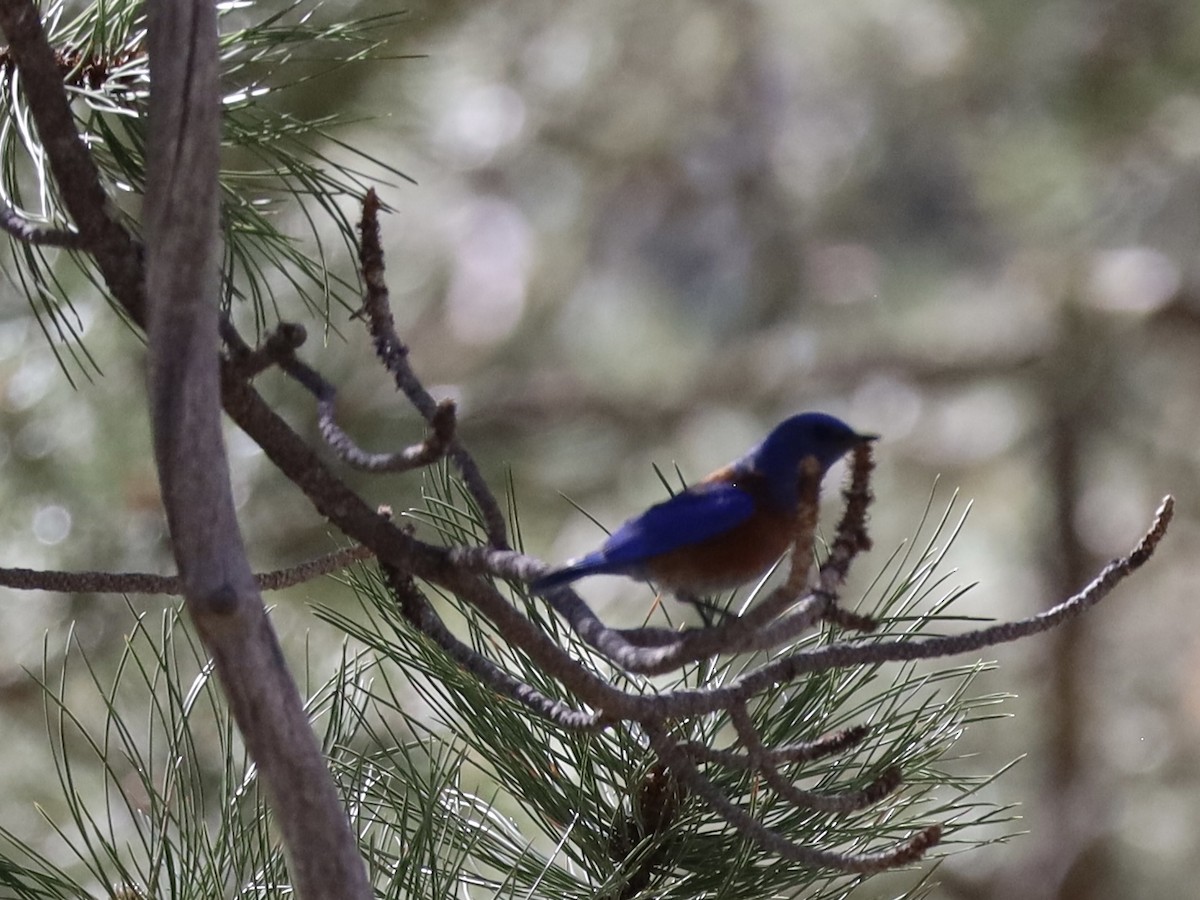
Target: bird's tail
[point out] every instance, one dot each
(592, 564)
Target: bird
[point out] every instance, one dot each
(724, 530)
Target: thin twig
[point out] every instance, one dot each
(841, 801)
(846, 654)
(170, 585)
(830, 745)
(677, 760)
(441, 435)
(417, 611)
(852, 537)
(393, 353)
(279, 349)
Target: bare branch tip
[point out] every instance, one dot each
(1155, 533)
(371, 205)
(855, 733)
(445, 420)
(862, 460)
(1162, 517)
(915, 849)
(370, 253)
(911, 851)
(887, 783)
(927, 839)
(841, 741)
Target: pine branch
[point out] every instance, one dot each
(146, 583)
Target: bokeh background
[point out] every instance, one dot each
(643, 233)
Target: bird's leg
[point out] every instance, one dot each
(710, 612)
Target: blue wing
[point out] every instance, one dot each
(701, 512)
(697, 514)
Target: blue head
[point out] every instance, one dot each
(778, 457)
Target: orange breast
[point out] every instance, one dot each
(724, 561)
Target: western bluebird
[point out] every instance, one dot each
(726, 529)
